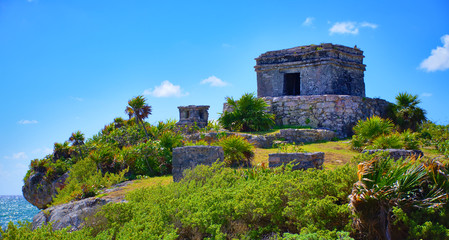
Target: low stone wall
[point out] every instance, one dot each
(334, 112)
(303, 160)
(191, 156)
(266, 141)
(306, 135)
(398, 153)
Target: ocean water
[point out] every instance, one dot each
(15, 208)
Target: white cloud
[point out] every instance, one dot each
(350, 27)
(367, 24)
(439, 57)
(214, 82)
(27, 122)
(166, 89)
(19, 155)
(77, 99)
(308, 21)
(426, 94)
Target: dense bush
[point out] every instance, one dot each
(436, 136)
(248, 114)
(219, 202)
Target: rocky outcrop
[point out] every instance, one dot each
(39, 191)
(74, 213)
(300, 160)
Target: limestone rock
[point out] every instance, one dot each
(70, 214)
(39, 191)
(301, 160)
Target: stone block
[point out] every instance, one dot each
(191, 156)
(300, 160)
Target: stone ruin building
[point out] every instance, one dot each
(321, 86)
(191, 115)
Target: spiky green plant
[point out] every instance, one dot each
(384, 185)
(367, 130)
(247, 114)
(237, 150)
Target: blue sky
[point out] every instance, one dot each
(73, 65)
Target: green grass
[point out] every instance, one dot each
(138, 184)
(335, 153)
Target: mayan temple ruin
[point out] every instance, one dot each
(321, 86)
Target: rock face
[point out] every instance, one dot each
(191, 156)
(40, 192)
(73, 213)
(70, 214)
(398, 153)
(302, 160)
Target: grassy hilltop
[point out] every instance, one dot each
(355, 196)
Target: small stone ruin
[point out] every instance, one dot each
(398, 153)
(191, 115)
(191, 156)
(300, 160)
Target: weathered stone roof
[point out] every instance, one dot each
(313, 54)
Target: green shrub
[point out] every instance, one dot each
(85, 180)
(237, 150)
(248, 114)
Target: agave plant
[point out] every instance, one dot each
(138, 109)
(385, 184)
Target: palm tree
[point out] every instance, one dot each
(247, 114)
(77, 139)
(138, 109)
(405, 112)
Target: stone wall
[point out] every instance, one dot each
(302, 160)
(191, 156)
(320, 69)
(338, 113)
(398, 153)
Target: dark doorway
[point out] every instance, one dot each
(291, 84)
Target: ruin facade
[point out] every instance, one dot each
(311, 70)
(191, 115)
(321, 86)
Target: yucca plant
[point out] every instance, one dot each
(385, 184)
(384, 141)
(248, 114)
